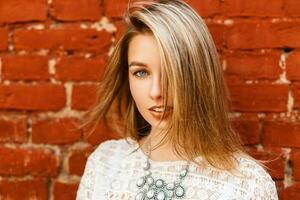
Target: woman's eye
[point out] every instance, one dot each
(140, 74)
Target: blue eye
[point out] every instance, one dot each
(140, 74)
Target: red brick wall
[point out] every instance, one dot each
(52, 53)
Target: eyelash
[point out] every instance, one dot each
(135, 73)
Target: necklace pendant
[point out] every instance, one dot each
(170, 194)
(179, 191)
(140, 196)
(161, 195)
(151, 194)
(141, 182)
(159, 189)
(183, 173)
(170, 186)
(147, 173)
(146, 165)
(150, 181)
(159, 183)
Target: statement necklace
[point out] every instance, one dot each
(151, 189)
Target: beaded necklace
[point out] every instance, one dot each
(151, 189)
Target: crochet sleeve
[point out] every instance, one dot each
(265, 189)
(87, 182)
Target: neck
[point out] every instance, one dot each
(164, 152)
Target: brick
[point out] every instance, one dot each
(43, 96)
(295, 88)
(101, 133)
(28, 67)
(292, 8)
(284, 34)
(13, 130)
(280, 188)
(3, 39)
(63, 38)
(65, 191)
(253, 66)
(206, 8)
(273, 159)
(40, 162)
(83, 96)
(295, 160)
(69, 10)
(121, 27)
(248, 128)
(77, 161)
(246, 35)
(292, 192)
(262, 8)
(292, 66)
(218, 32)
(55, 131)
(26, 189)
(281, 133)
(114, 9)
(22, 10)
(262, 97)
(80, 69)
(255, 35)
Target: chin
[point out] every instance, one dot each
(156, 124)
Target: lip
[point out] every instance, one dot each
(167, 108)
(158, 115)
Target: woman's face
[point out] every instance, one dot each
(144, 73)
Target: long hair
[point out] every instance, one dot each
(191, 71)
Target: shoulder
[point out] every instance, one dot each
(259, 182)
(115, 144)
(112, 147)
(250, 166)
(98, 165)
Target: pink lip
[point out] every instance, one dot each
(167, 108)
(158, 115)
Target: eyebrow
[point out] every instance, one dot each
(137, 64)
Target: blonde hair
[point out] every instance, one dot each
(191, 71)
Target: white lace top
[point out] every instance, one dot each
(112, 170)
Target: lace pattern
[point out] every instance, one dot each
(112, 170)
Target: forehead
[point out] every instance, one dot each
(143, 48)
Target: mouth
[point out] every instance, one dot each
(160, 109)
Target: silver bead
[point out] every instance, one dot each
(183, 173)
(141, 182)
(150, 194)
(139, 196)
(161, 196)
(179, 192)
(170, 186)
(150, 180)
(146, 187)
(146, 165)
(170, 193)
(147, 173)
(159, 183)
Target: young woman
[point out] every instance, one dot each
(164, 91)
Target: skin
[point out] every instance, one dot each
(145, 88)
(144, 81)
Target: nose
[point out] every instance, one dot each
(155, 90)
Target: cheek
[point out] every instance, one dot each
(138, 91)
